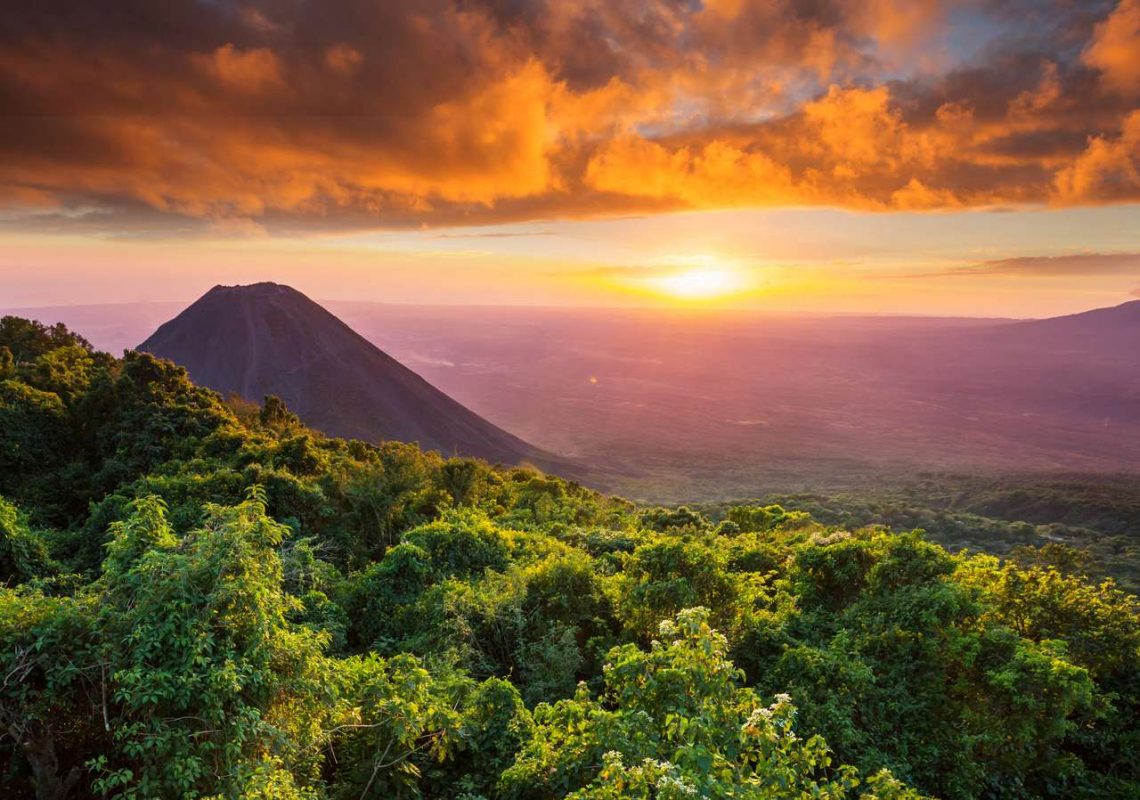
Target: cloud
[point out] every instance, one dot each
(1115, 48)
(718, 173)
(354, 114)
(497, 235)
(245, 71)
(343, 58)
(1075, 265)
(1107, 171)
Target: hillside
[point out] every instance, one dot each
(196, 601)
(267, 339)
(1111, 331)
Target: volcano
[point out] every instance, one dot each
(267, 338)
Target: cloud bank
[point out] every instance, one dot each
(294, 115)
(1065, 266)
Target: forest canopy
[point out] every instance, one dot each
(202, 598)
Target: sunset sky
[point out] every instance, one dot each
(887, 156)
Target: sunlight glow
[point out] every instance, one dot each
(699, 283)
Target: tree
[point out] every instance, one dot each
(28, 339)
(50, 691)
(214, 691)
(1095, 627)
(394, 713)
(23, 552)
(7, 363)
(34, 441)
(378, 621)
(275, 416)
(667, 575)
(674, 722)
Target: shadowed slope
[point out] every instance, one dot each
(270, 339)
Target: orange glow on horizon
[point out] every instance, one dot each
(699, 283)
(691, 279)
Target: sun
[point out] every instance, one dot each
(698, 283)
(687, 279)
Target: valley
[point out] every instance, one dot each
(685, 405)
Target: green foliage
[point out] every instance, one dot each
(899, 664)
(206, 673)
(26, 340)
(49, 693)
(206, 599)
(24, 553)
(395, 712)
(1095, 626)
(460, 544)
(382, 602)
(1003, 515)
(756, 519)
(667, 519)
(34, 425)
(663, 577)
(673, 722)
(495, 726)
(275, 416)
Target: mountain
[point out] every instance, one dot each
(1105, 333)
(266, 338)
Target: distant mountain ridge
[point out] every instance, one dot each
(1113, 331)
(267, 338)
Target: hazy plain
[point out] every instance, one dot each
(691, 404)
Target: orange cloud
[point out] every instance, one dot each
(343, 58)
(243, 70)
(1115, 48)
(362, 114)
(898, 21)
(716, 174)
(1109, 170)
(917, 196)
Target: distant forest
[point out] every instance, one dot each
(202, 598)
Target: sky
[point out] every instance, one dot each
(978, 157)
